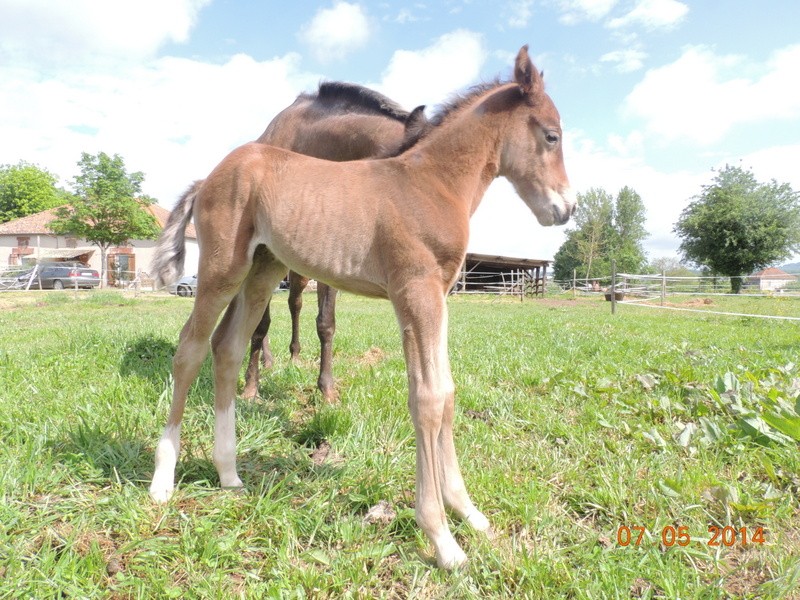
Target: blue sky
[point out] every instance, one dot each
(653, 94)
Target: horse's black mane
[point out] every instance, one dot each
(359, 99)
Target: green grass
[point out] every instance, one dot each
(571, 422)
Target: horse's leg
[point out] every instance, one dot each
(259, 349)
(422, 314)
(192, 350)
(326, 328)
(454, 492)
(297, 283)
(228, 345)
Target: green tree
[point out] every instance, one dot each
(606, 229)
(594, 222)
(108, 209)
(26, 189)
(738, 225)
(670, 266)
(628, 232)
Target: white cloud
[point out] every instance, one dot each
(626, 61)
(653, 14)
(519, 13)
(427, 76)
(779, 163)
(70, 33)
(173, 119)
(575, 11)
(700, 98)
(333, 33)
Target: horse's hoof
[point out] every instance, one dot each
(479, 522)
(161, 494)
(451, 560)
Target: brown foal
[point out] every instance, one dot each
(394, 228)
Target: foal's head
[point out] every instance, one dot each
(532, 156)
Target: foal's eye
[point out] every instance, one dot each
(551, 137)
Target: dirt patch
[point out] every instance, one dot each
(745, 572)
(694, 303)
(321, 453)
(381, 514)
(372, 357)
(324, 455)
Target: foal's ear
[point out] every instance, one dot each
(525, 74)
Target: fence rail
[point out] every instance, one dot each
(654, 291)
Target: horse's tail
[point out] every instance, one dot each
(170, 251)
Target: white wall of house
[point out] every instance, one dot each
(771, 285)
(143, 250)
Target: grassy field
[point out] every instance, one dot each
(574, 428)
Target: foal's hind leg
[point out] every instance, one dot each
(228, 344)
(326, 327)
(192, 350)
(259, 353)
(297, 283)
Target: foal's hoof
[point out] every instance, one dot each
(161, 494)
(479, 522)
(451, 560)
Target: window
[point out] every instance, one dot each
(23, 242)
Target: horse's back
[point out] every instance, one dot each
(338, 135)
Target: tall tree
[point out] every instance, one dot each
(26, 189)
(108, 209)
(594, 221)
(606, 229)
(738, 225)
(629, 232)
(669, 265)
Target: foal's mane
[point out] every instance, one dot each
(462, 99)
(358, 99)
(448, 109)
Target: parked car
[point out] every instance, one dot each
(185, 286)
(58, 276)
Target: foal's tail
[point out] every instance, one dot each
(170, 251)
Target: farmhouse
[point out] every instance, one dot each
(30, 240)
(485, 273)
(771, 279)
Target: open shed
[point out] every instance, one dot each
(490, 274)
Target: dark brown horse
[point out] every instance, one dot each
(393, 228)
(340, 122)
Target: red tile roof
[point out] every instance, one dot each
(38, 224)
(773, 273)
(32, 224)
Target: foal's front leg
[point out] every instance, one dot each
(423, 320)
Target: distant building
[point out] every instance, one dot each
(485, 273)
(29, 240)
(771, 279)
